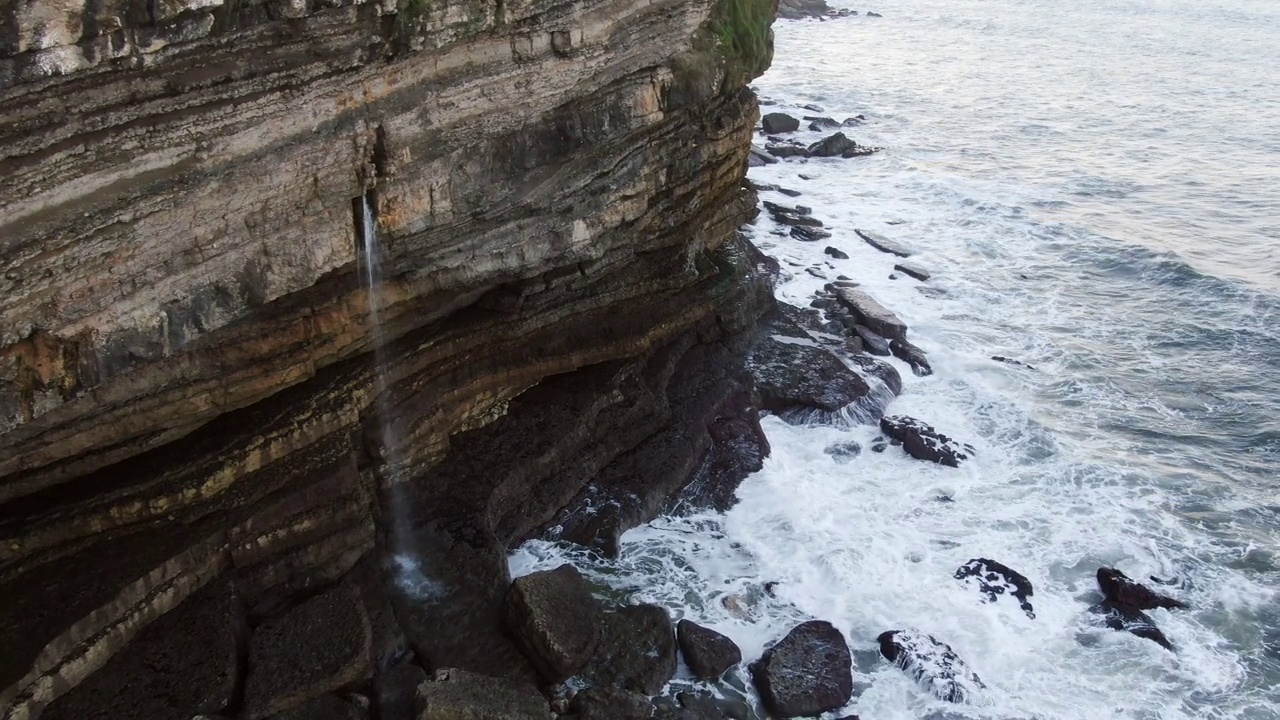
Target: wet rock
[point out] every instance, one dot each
(636, 651)
(871, 340)
(883, 244)
(325, 707)
(707, 653)
(317, 647)
(813, 107)
(793, 374)
(844, 452)
(800, 9)
(872, 314)
(776, 123)
(396, 691)
(855, 120)
(921, 441)
(610, 703)
(881, 370)
(859, 151)
(786, 149)
(554, 619)
(931, 663)
(912, 355)
(793, 216)
(879, 447)
(836, 253)
(930, 291)
(816, 273)
(806, 673)
(913, 270)
(461, 695)
(995, 580)
(818, 123)
(809, 234)
(1119, 589)
(1011, 361)
(831, 146)
(873, 14)
(1132, 620)
(788, 192)
(758, 158)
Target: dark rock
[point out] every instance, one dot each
(823, 124)
(874, 14)
(912, 355)
(804, 210)
(800, 9)
(879, 447)
(930, 291)
(806, 673)
(758, 158)
(844, 452)
(1120, 590)
(881, 370)
(1011, 361)
(319, 646)
(397, 692)
(775, 123)
(859, 151)
(809, 234)
(788, 192)
(913, 270)
(791, 215)
(931, 663)
(707, 653)
(325, 707)
(997, 579)
(554, 619)
(792, 374)
(786, 150)
(836, 253)
(883, 244)
(855, 120)
(921, 441)
(636, 651)
(610, 703)
(832, 146)
(893, 276)
(803, 176)
(871, 340)
(1132, 620)
(812, 107)
(458, 694)
(735, 709)
(871, 313)
(699, 706)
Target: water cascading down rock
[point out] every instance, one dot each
(216, 423)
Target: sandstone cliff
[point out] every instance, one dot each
(194, 478)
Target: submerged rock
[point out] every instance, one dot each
(554, 619)
(806, 673)
(881, 370)
(707, 653)
(836, 253)
(843, 452)
(1119, 589)
(832, 145)
(1132, 620)
(921, 441)
(883, 244)
(931, 663)
(776, 123)
(1011, 361)
(996, 580)
(912, 355)
(913, 270)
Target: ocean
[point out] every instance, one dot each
(1096, 189)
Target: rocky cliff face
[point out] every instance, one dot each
(197, 486)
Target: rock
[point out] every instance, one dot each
(852, 121)
(1132, 620)
(921, 441)
(859, 151)
(396, 691)
(1122, 591)
(610, 703)
(786, 150)
(776, 123)
(1011, 361)
(931, 663)
(930, 291)
(795, 216)
(913, 270)
(707, 653)
(319, 646)
(874, 14)
(996, 579)
(912, 355)
(809, 234)
(325, 707)
(789, 192)
(800, 9)
(555, 620)
(872, 314)
(843, 452)
(636, 651)
(824, 124)
(879, 447)
(836, 253)
(461, 695)
(883, 244)
(758, 158)
(806, 673)
(832, 146)
(871, 340)
(881, 370)
(793, 375)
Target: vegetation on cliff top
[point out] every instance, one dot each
(742, 27)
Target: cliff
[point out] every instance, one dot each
(214, 428)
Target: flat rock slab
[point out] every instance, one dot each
(637, 650)
(461, 695)
(555, 620)
(806, 673)
(883, 244)
(913, 270)
(867, 311)
(793, 374)
(707, 653)
(931, 663)
(316, 647)
(921, 441)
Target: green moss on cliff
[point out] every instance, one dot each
(742, 28)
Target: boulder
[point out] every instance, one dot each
(396, 691)
(1132, 620)
(1119, 589)
(786, 149)
(913, 270)
(879, 369)
(809, 234)
(793, 374)
(793, 216)
(818, 123)
(806, 673)
(555, 620)
(832, 145)
(912, 355)
(872, 314)
(871, 340)
(931, 663)
(636, 651)
(325, 707)
(610, 703)
(854, 121)
(319, 646)
(707, 653)
(776, 123)
(461, 695)
(921, 441)
(883, 244)
(836, 253)
(758, 158)
(1011, 361)
(843, 452)
(996, 580)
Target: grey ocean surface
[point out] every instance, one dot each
(1096, 187)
